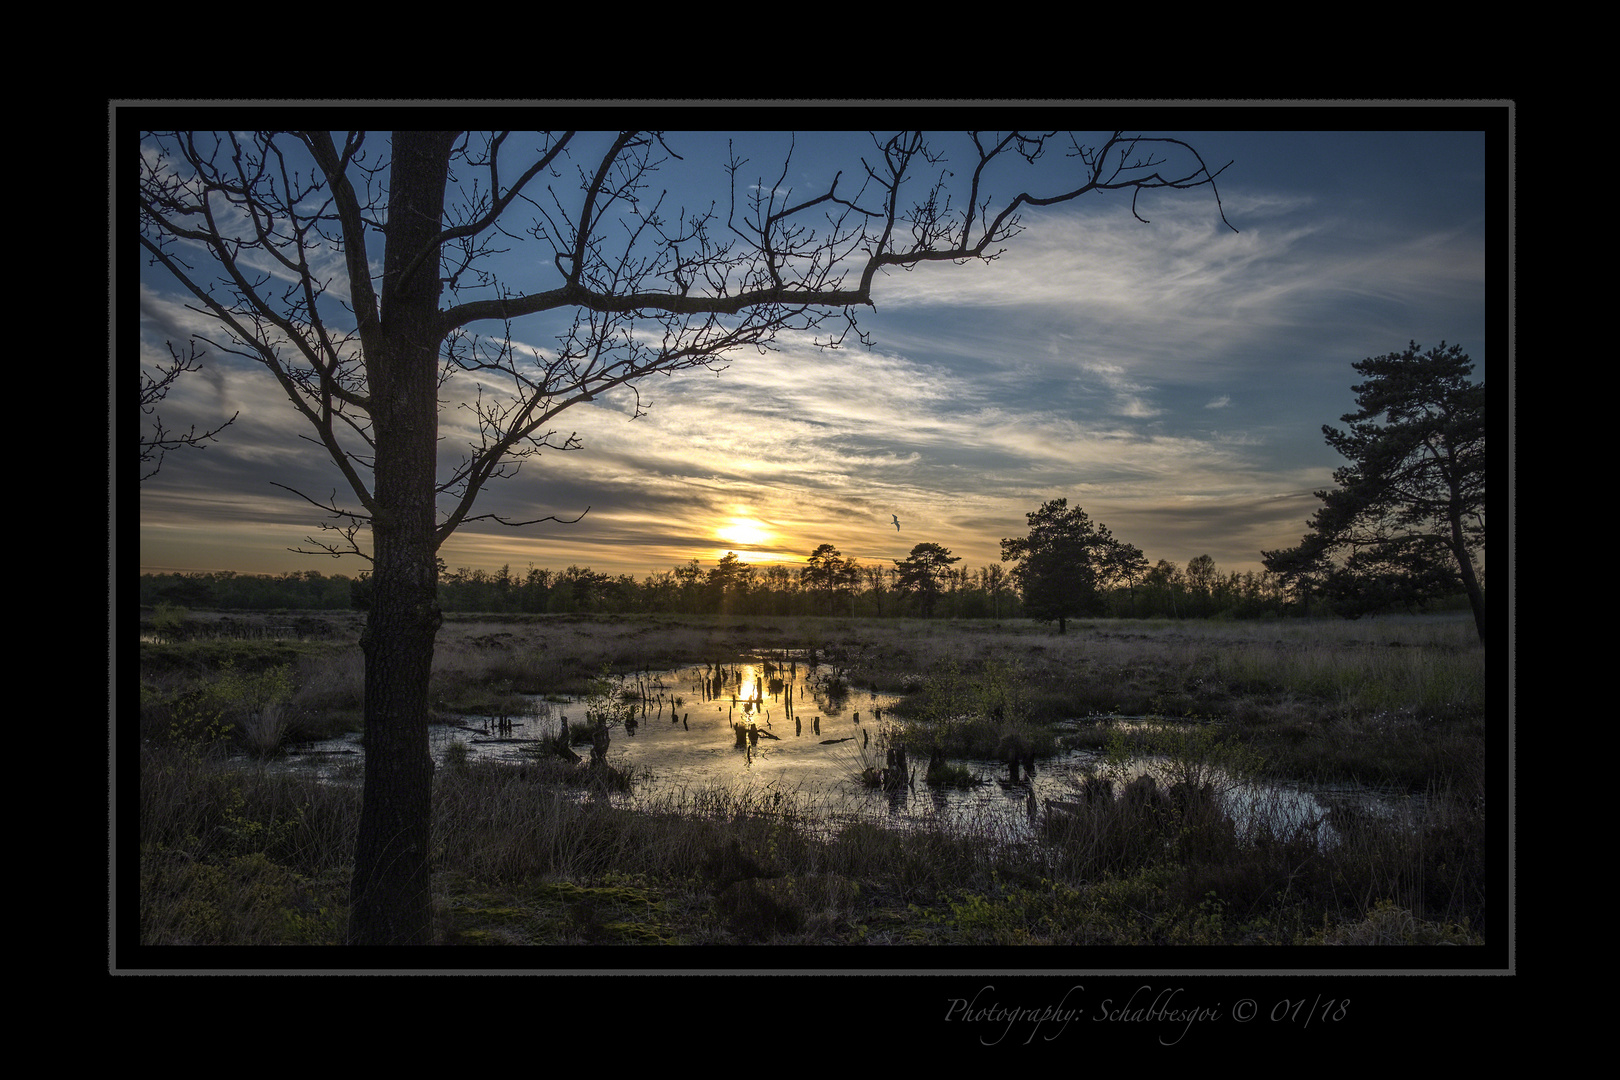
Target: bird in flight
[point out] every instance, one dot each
(896, 520)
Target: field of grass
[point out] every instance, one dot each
(234, 853)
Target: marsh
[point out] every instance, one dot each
(1301, 709)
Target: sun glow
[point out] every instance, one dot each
(745, 531)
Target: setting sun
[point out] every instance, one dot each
(745, 532)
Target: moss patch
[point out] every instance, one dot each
(557, 913)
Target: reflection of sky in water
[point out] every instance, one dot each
(692, 746)
(695, 744)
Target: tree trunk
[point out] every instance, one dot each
(1470, 580)
(390, 899)
(1476, 598)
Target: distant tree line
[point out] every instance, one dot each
(1402, 530)
(929, 583)
(298, 590)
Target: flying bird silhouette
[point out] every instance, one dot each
(896, 522)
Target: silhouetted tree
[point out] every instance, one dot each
(729, 583)
(355, 267)
(827, 573)
(822, 567)
(993, 580)
(922, 574)
(1201, 583)
(1125, 567)
(877, 580)
(1408, 514)
(1302, 573)
(1065, 565)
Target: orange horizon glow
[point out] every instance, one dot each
(753, 541)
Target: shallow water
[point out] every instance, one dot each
(685, 741)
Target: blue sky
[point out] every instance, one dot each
(1171, 378)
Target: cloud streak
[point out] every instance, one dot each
(1170, 378)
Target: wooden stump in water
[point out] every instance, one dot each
(896, 775)
(561, 746)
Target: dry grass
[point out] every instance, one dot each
(521, 856)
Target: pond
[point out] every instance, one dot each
(780, 726)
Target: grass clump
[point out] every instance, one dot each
(233, 856)
(978, 711)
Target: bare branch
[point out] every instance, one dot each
(643, 288)
(348, 526)
(154, 388)
(532, 521)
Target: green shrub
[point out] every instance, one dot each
(250, 708)
(942, 773)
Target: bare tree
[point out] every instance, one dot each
(277, 236)
(158, 440)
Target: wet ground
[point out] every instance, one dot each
(799, 739)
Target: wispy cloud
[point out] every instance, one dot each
(1171, 378)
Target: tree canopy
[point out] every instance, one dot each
(922, 573)
(1067, 562)
(827, 573)
(1405, 524)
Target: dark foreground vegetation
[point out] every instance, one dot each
(233, 851)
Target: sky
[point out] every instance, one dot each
(1171, 378)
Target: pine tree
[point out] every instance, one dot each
(1406, 523)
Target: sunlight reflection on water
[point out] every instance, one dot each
(810, 748)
